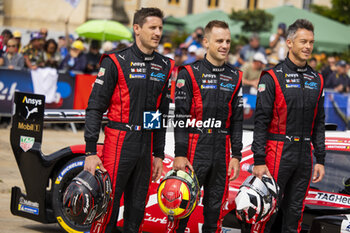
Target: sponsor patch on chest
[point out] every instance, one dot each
(208, 86)
(139, 76)
(292, 85)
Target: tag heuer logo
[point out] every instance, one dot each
(26, 143)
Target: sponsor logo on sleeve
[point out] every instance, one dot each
(180, 83)
(261, 87)
(101, 72)
(99, 81)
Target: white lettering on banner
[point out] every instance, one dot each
(5, 91)
(333, 198)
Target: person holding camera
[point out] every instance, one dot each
(195, 38)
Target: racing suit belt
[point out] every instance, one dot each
(290, 138)
(126, 126)
(209, 130)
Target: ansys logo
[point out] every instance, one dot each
(151, 120)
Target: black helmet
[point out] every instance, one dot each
(86, 198)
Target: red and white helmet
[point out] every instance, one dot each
(256, 199)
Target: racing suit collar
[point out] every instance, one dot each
(294, 67)
(140, 54)
(212, 68)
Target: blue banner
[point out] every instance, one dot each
(11, 81)
(337, 109)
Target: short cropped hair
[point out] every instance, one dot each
(299, 24)
(215, 23)
(141, 15)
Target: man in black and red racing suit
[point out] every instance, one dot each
(289, 120)
(210, 91)
(129, 83)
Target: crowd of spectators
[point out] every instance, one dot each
(65, 53)
(75, 54)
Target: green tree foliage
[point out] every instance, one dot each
(340, 11)
(253, 21)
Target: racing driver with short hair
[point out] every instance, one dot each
(210, 89)
(289, 121)
(130, 82)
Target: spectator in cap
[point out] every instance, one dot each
(247, 52)
(93, 57)
(191, 54)
(167, 50)
(278, 43)
(339, 80)
(18, 36)
(12, 59)
(251, 72)
(76, 59)
(51, 55)
(6, 34)
(33, 53)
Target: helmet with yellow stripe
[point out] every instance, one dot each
(178, 194)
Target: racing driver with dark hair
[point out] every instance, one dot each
(130, 82)
(206, 90)
(289, 120)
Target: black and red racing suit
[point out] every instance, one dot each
(206, 92)
(289, 119)
(128, 84)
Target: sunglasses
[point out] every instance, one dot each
(12, 46)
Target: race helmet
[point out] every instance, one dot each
(178, 194)
(86, 197)
(256, 199)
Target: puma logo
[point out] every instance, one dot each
(280, 70)
(234, 71)
(289, 138)
(129, 126)
(122, 57)
(196, 67)
(166, 62)
(34, 110)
